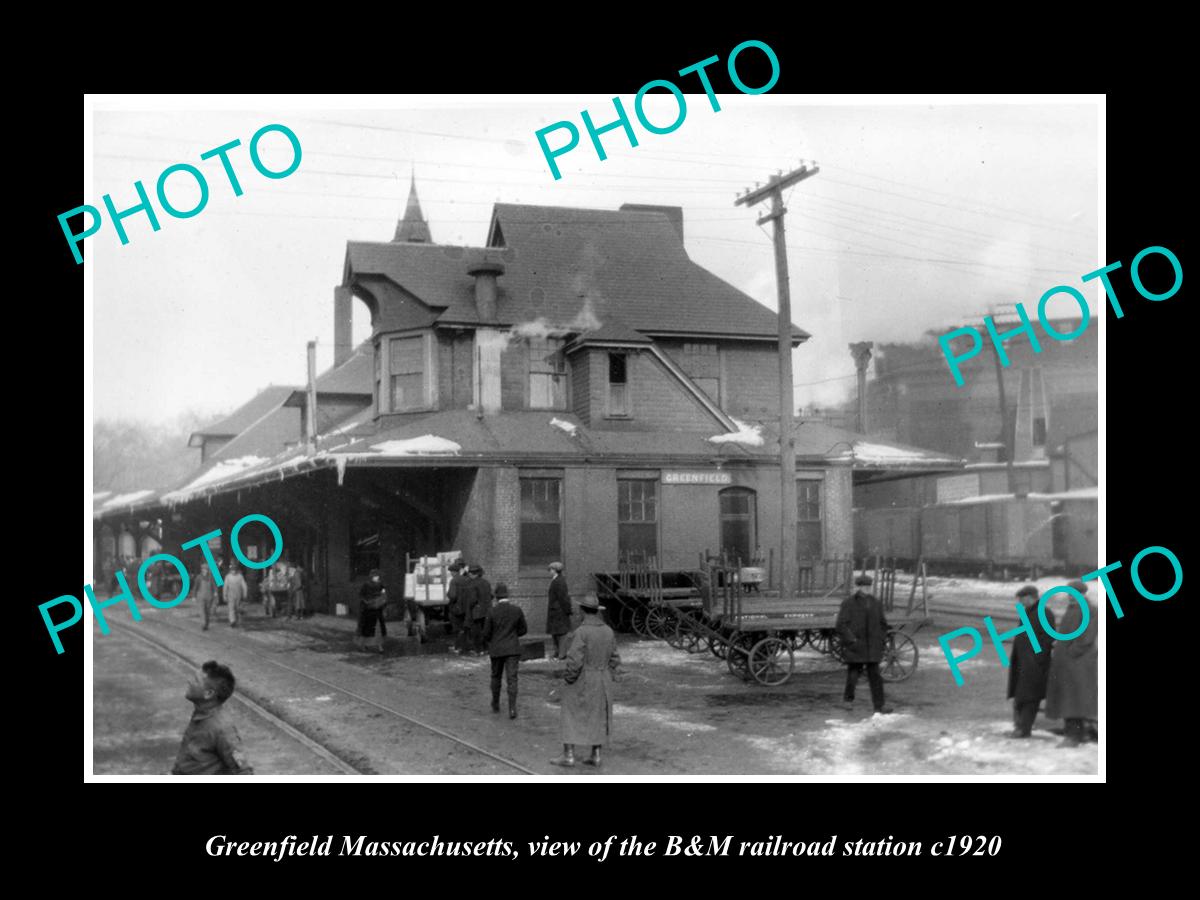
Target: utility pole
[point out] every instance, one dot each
(311, 399)
(789, 565)
(1009, 449)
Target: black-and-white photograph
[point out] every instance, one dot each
(765, 446)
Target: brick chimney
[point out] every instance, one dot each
(343, 301)
(486, 271)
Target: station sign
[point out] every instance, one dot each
(697, 478)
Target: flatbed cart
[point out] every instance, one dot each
(758, 634)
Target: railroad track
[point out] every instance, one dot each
(313, 745)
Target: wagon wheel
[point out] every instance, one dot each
(771, 662)
(718, 645)
(899, 657)
(676, 633)
(638, 620)
(694, 641)
(835, 647)
(737, 654)
(818, 639)
(660, 623)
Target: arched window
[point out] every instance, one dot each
(739, 523)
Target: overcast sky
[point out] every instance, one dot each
(922, 217)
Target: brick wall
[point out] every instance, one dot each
(581, 384)
(750, 379)
(657, 401)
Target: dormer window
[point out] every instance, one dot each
(404, 375)
(618, 385)
(547, 374)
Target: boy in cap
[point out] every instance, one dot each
(211, 745)
(558, 610)
(502, 631)
(863, 630)
(1029, 669)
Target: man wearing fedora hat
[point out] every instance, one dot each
(587, 701)
(863, 630)
(1029, 669)
(502, 632)
(558, 610)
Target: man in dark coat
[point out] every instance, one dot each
(863, 630)
(481, 605)
(373, 599)
(458, 594)
(502, 631)
(1072, 690)
(1029, 669)
(558, 610)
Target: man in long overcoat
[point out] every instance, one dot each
(1029, 670)
(558, 610)
(587, 700)
(1072, 690)
(863, 630)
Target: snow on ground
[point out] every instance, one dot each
(418, 446)
(904, 744)
(660, 717)
(750, 435)
(569, 427)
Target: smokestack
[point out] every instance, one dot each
(343, 300)
(486, 271)
(862, 355)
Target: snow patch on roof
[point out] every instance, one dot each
(426, 444)
(125, 499)
(225, 470)
(887, 455)
(750, 435)
(569, 427)
(1085, 493)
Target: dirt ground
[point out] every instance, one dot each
(675, 714)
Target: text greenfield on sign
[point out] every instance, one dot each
(697, 478)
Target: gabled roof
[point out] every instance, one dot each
(566, 265)
(629, 264)
(353, 377)
(245, 415)
(611, 332)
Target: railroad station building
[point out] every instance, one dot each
(577, 388)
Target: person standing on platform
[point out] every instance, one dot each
(1072, 689)
(206, 593)
(863, 631)
(502, 630)
(296, 598)
(211, 744)
(235, 593)
(481, 605)
(373, 600)
(458, 594)
(592, 661)
(1029, 669)
(558, 610)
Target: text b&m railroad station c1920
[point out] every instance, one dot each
(576, 419)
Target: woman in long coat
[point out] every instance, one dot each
(1029, 670)
(587, 701)
(1072, 692)
(558, 609)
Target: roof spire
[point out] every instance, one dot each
(412, 228)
